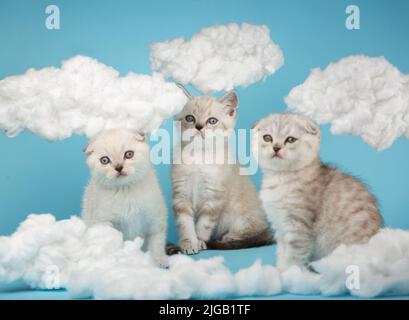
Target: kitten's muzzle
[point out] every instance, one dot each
(276, 154)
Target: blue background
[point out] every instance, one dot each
(40, 176)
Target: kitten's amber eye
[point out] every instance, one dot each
(129, 154)
(105, 160)
(267, 138)
(212, 121)
(190, 118)
(290, 140)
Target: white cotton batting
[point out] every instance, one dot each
(358, 95)
(85, 97)
(219, 57)
(96, 262)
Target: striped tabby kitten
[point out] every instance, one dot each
(312, 207)
(215, 207)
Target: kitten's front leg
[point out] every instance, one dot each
(281, 261)
(294, 247)
(157, 244)
(208, 218)
(188, 241)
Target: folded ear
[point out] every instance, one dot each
(309, 125)
(231, 102)
(140, 136)
(256, 125)
(187, 93)
(87, 150)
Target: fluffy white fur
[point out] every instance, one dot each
(358, 95)
(84, 96)
(96, 262)
(220, 57)
(125, 191)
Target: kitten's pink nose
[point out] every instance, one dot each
(199, 127)
(276, 149)
(119, 167)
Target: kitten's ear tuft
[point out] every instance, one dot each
(87, 150)
(230, 99)
(185, 91)
(310, 126)
(256, 125)
(140, 136)
(231, 102)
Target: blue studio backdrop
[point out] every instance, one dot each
(37, 176)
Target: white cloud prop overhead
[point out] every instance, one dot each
(84, 96)
(96, 262)
(358, 95)
(219, 57)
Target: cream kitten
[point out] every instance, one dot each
(124, 191)
(215, 207)
(312, 207)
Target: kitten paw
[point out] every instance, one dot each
(192, 246)
(282, 265)
(162, 261)
(202, 245)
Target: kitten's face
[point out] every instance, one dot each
(287, 142)
(205, 114)
(117, 157)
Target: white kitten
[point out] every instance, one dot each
(124, 191)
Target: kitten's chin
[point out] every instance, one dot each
(276, 165)
(284, 165)
(116, 181)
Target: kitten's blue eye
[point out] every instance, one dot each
(105, 160)
(129, 154)
(190, 118)
(291, 140)
(267, 138)
(212, 121)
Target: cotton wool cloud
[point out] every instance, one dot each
(95, 262)
(219, 57)
(84, 97)
(358, 95)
